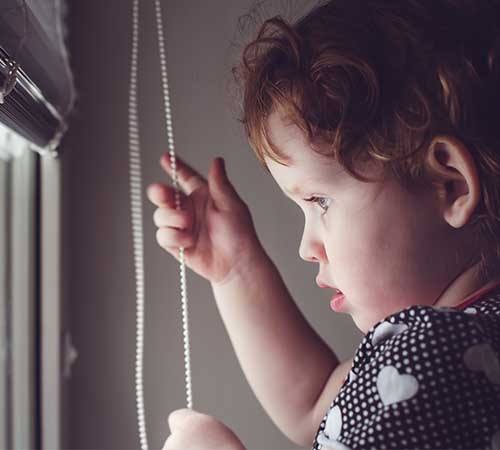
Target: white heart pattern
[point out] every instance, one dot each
(333, 427)
(386, 330)
(482, 358)
(470, 310)
(333, 445)
(393, 387)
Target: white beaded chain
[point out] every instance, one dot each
(182, 266)
(136, 206)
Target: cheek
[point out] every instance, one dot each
(371, 247)
(359, 235)
(390, 246)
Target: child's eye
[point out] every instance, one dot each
(318, 200)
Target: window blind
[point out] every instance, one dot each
(36, 81)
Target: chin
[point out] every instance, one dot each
(362, 326)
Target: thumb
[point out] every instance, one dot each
(177, 418)
(221, 189)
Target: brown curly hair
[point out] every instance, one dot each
(376, 80)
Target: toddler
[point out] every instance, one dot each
(379, 120)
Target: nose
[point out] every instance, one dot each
(310, 249)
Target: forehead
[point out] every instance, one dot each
(304, 166)
(287, 136)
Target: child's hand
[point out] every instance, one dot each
(214, 225)
(192, 430)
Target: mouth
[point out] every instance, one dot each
(326, 286)
(337, 302)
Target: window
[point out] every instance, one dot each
(18, 312)
(36, 96)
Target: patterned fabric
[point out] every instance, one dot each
(423, 378)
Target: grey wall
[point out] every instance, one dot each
(99, 281)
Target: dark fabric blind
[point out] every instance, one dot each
(32, 35)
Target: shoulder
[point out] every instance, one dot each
(418, 330)
(422, 376)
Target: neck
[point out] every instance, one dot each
(465, 285)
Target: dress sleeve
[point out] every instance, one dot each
(426, 379)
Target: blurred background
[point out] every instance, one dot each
(68, 303)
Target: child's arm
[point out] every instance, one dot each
(285, 361)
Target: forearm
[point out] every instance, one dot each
(284, 360)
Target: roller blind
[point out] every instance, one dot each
(36, 83)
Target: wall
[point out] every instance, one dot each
(99, 282)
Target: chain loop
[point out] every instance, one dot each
(136, 206)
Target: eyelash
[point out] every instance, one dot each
(314, 199)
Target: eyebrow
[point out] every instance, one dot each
(297, 190)
(294, 190)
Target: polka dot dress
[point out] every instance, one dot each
(423, 378)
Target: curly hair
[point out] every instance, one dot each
(376, 80)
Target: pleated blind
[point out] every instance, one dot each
(36, 83)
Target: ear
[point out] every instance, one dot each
(455, 174)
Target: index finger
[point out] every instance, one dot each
(160, 195)
(188, 178)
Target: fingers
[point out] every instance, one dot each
(172, 237)
(164, 196)
(188, 178)
(168, 217)
(174, 225)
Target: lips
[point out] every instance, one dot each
(337, 302)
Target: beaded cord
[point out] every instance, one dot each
(136, 207)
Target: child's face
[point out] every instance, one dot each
(384, 248)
